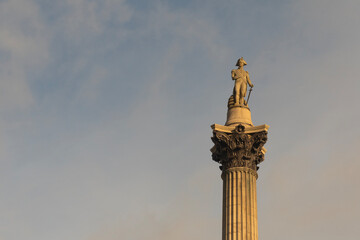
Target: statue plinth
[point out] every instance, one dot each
(237, 115)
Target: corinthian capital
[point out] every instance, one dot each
(239, 147)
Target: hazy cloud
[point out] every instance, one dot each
(108, 133)
(23, 49)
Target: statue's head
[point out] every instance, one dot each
(241, 62)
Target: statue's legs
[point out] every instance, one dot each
(237, 93)
(242, 93)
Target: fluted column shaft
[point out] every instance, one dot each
(239, 204)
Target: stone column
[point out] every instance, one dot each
(239, 204)
(239, 150)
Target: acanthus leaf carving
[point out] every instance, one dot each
(238, 149)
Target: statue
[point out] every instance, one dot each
(242, 79)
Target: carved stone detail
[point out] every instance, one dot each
(238, 149)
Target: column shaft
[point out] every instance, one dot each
(239, 204)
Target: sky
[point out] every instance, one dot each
(106, 108)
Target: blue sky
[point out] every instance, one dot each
(106, 107)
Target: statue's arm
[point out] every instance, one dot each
(232, 74)
(248, 79)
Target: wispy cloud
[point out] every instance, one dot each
(23, 48)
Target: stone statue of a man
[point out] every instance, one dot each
(242, 79)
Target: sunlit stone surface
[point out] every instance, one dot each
(238, 147)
